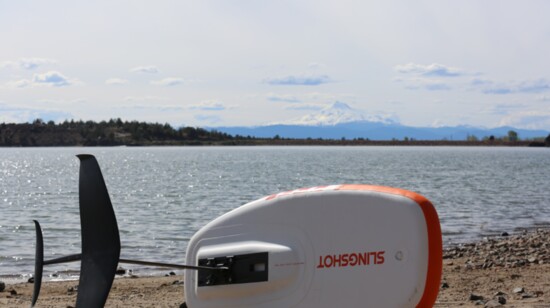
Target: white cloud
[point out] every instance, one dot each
(116, 81)
(480, 82)
(356, 56)
(525, 86)
(168, 82)
(543, 98)
(504, 109)
(533, 86)
(149, 69)
(211, 105)
(52, 78)
(312, 80)
(170, 108)
(28, 63)
(532, 119)
(48, 79)
(431, 70)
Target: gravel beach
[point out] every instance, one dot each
(508, 271)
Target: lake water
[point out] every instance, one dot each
(163, 195)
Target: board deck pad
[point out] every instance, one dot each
(329, 246)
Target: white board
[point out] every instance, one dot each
(331, 246)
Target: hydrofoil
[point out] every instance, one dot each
(326, 246)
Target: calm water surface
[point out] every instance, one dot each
(163, 195)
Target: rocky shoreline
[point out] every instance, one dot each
(501, 271)
(509, 251)
(506, 270)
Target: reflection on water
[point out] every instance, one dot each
(163, 195)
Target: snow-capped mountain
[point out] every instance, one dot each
(335, 114)
(339, 120)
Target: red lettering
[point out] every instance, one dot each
(363, 259)
(373, 254)
(337, 259)
(345, 260)
(320, 262)
(329, 257)
(351, 259)
(380, 257)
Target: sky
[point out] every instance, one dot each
(243, 63)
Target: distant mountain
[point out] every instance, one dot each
(341, 121)
(337, 113)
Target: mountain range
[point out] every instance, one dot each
(339, 121)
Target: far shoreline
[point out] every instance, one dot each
(301, 142)
(116, 132)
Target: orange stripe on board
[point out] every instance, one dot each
(435, 243)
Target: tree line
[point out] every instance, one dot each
(133, 133)
(105, 133)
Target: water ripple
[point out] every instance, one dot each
(162, 196)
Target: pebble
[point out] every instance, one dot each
(444, 285)
(31, 280)
(120, 271)
(511, 251)
(502, 253)
(518, 290)
(2, 286)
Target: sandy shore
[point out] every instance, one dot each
(509, 271)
